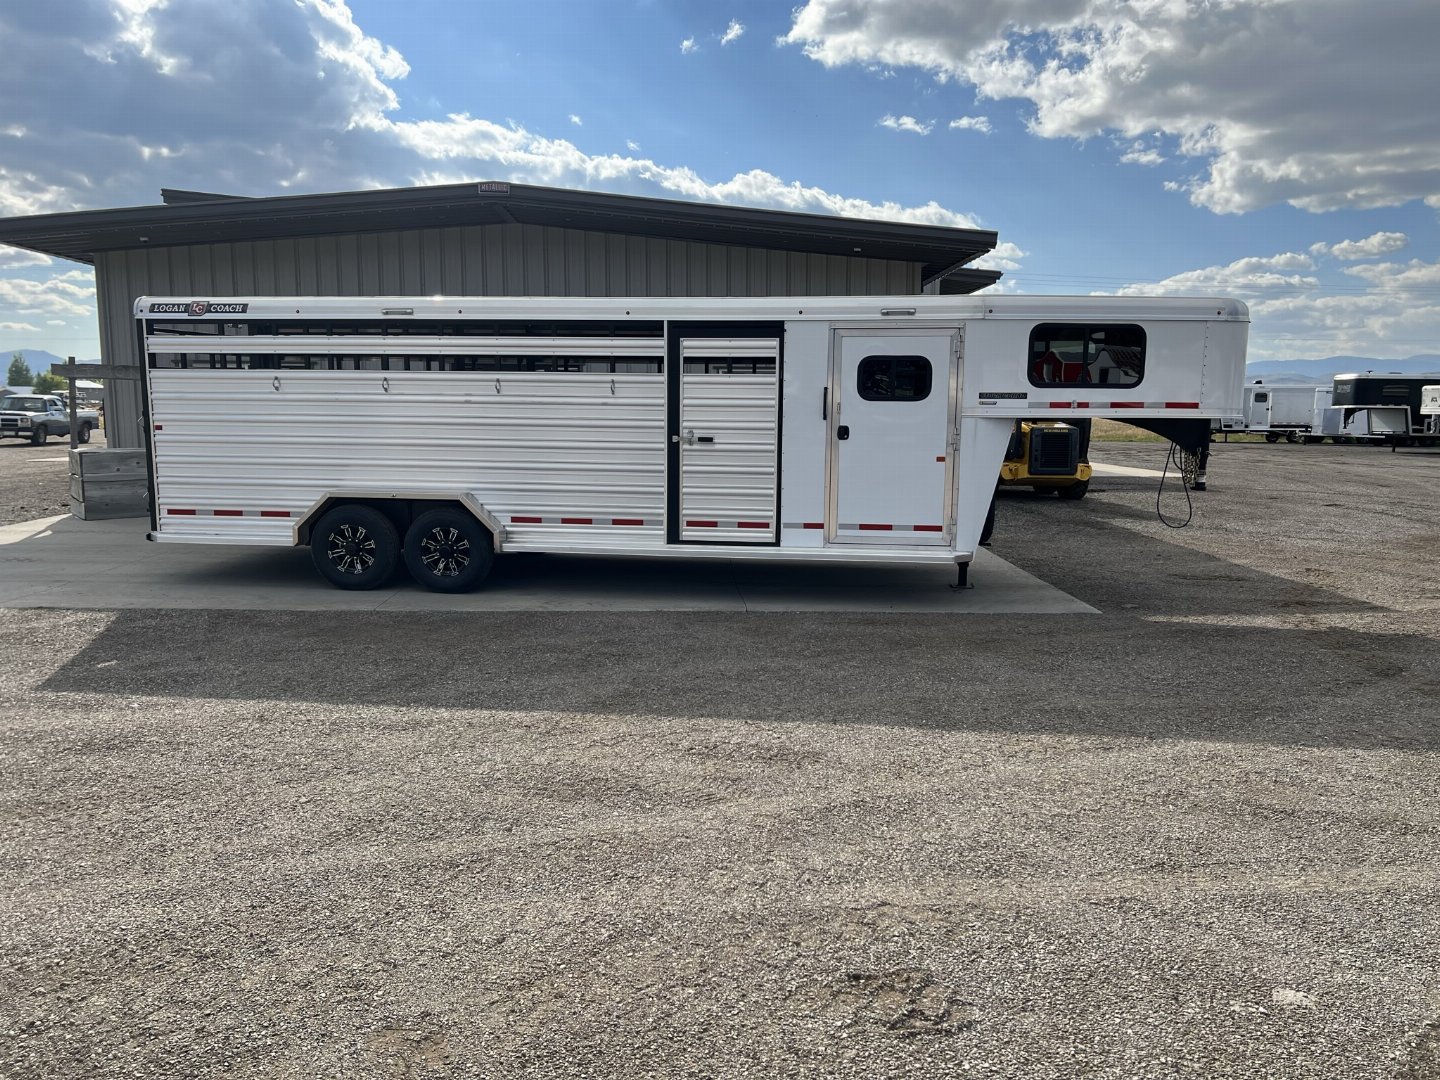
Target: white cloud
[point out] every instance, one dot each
(70, 293)
(907, 123)
(972, 123)
(576, 120)
(632, 146)
(1246, 275)
(16, 327)
(1006, 257)
(732, 32)
(1380, 243)
(1395, 313)
(688, 46)
(319, 114)
(1138, 153)
(1316, 127)
(1409, 278)
(12, 258)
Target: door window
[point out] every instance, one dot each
(894, 378)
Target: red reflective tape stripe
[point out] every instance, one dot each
(228, 513)
(875, 528)
(1060, 405)
(940, 458)
(752, 524)
(577, 521)
(929, 528)
(188, 513)
(627, 521)
(1127, 404)
(275, 513)
(525, 520)
(159, 427)
(702, 524)
(813, 525)
(1182, 404)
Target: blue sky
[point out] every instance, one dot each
(1283, 151)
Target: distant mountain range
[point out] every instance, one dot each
(1322, 371)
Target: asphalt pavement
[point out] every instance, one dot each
(1193, 832)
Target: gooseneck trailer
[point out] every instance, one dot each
(1380, 406)
(439, 431)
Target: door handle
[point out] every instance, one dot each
(843, 431)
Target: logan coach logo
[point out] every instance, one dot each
(197, 308)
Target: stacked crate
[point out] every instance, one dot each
(108, 484)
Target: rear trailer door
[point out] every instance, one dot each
(890, 436)
(728, 438)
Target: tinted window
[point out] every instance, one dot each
(894, 378)
(1262, 396)
(1072, 354)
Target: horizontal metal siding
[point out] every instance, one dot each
(733, 479)
(546, 445)
(728, 482)
(476, 260)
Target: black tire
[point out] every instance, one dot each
(1074, 491)
(83, 435)
(1291, 436)
(355, 547)
(39, 435)
(1272, 436)
(448, 551)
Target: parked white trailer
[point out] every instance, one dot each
(1430, 408)
(438, 431)
(1320, 412)
(1276, 411)
(1384, 406)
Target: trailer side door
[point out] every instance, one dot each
(891, 465)
(725, 437)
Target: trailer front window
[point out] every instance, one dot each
(1067, 354)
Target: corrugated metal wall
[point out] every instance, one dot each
(480, 260)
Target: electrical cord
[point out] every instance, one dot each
(1175, 457)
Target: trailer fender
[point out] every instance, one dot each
(407, 503)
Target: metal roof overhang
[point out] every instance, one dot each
(203, 218)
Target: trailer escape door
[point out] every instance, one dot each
(724, 478)
(894, 397)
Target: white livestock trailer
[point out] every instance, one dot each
(438, 431)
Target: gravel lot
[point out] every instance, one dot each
(1195, 835)
(35, 480)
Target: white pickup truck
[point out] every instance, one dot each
(38, 416)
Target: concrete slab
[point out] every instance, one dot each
(63, 562)
(1101, 468)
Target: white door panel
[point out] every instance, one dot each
(891, 464)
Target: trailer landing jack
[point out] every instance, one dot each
(962, 572)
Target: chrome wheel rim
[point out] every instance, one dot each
(351, 549)
(444, 552)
